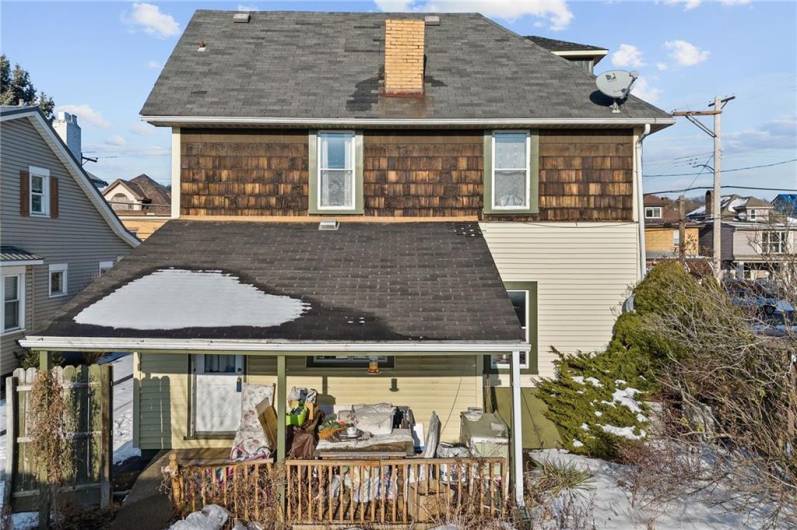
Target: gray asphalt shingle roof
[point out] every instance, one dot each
(330, 66)
(405, 281)
(556, 45)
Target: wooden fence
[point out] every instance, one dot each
(344, 492)
(87, 390)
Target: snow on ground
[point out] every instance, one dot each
(612, 508)
(190, 298)
(122, 430)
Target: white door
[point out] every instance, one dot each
(218, 392)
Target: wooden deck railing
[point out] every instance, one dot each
(401, 491)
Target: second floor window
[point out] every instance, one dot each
(773, 242)
(653, 212)
(336, 170)
(510, 170)
(39, 191)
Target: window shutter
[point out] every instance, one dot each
(24, 193)
(53, 197)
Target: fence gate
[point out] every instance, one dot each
(88, 396)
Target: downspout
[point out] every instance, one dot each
(641, 201)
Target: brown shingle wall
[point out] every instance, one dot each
(244, 173)
(585, 175)
(423, 174)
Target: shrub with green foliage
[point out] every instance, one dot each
(596, 400)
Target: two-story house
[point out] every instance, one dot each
(755, 236)
(57, 232)
(434, 195)
(663, 230)
(142, 204)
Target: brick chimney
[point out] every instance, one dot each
(404, 45)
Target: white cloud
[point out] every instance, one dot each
(155, 65)
(661, 66)
(556, 12)
(688, 4)
(735, 2)
(776, 134)
(150, 19)
(116, 140)
(142, 129)
(685, 53)
(627, 55)
(85, 114)
(246, 7)
(643, 90)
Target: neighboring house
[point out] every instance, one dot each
(57, 233)
(141, 203)
(444, 197)
(755, 237)
(662, 230)
(786, 203)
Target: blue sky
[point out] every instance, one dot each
(100, 59)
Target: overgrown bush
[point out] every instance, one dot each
(596, 400)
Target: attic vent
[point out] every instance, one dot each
(432, 20)
(241, 18)
(328, 225)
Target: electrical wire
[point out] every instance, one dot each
(755, 188)
(724, 170)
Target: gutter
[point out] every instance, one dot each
(265, 346)
(641, 202)
(421, 122)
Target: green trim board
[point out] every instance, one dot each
(359, 201)
(532, 326)
(534, 175)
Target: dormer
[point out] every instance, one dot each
(586, 55)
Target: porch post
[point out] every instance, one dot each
(45, 361)
(517, 431)
(282, 396)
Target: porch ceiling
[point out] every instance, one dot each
(270, 286)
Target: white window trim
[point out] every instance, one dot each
(19, 272)
(652, 210)
(527, 204)
(34, 171)
(506, 366)
(319, 168)
(752, 214)
(782, 241)
(105, 265)
(63, 268)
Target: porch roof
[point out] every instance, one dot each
(266, 284)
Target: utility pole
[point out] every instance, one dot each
(716, 199)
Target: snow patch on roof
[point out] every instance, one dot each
(179, 298)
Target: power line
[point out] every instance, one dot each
(788, 190)
(725, 170)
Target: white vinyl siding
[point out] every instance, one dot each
(583, 273)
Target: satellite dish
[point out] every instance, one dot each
(616, 84)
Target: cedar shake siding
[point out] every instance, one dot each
(243, 173)
(584, 175)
